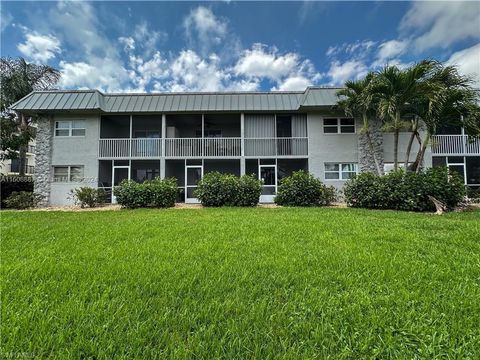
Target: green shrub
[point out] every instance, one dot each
(399, 190)
(159, 193)
(88, 196)
(473, 194)
(249, 191)
(22, 200)
(216, 189)
(303, 189)
(11, 183)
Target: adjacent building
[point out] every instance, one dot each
(87, 138)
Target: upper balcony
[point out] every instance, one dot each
(193, 136)
(455, 145)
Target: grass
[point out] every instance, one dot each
(240, 283)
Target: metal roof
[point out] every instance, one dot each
(94, 100)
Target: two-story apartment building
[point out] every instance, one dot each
(87, 138)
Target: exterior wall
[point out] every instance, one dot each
(340, 148)
(5, 165)
(322, 148)
(402, 148)
(80, 150)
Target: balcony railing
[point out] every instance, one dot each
(455, 144)
(208, 147)
(276, 146)
(201, 147)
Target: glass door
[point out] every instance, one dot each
(119, 174)
(268, 175)
(193, 174)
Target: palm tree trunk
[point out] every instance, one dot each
(421, 153)
(366, 127)
(410, 143)
(374, 154)
(417, 157)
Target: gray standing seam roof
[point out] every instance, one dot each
(94, 100)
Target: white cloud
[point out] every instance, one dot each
(357, 48)
(148, 38)
(294, 83)
(262, 62)
(203, 29)
(468, 62)
(440, 24)
(288, 70)
(5, 20)
(106, 75)
(348, 70)
(39, 48)
(390, 50)
(127, 42)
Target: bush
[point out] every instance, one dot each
(14, 183)
(217, 189)
(303, 189)
(249, 191)
(399, 190)
(159, 193)
(22, 200)
(88, 196)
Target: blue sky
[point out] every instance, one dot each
(218, 46)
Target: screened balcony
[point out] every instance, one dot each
(455, 145)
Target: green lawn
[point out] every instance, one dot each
(240, 283)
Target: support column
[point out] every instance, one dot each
(162, 155)
(43, 160)
(242, 144)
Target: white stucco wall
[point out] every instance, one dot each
(322, 148)
(80, 150)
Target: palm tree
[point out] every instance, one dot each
(18, 79)
(448, 99)
(397, 90)
(356, 100)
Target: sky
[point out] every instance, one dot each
(152, 46)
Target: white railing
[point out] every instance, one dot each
(222, 147)
(129, 148)
(145, 148)
(114, 148)
(198, 147)
(183, 147)
(455, 144)
(276, 146)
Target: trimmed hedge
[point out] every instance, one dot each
(216, 189)
(159, 193)
(303, 189)
(13, 183)
(399, 190)
(88, 196)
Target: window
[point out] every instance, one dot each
(70, 128)
(339, 171)
(339, 126)
(67, 173)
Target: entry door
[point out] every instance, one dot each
(193, 174)
(268, 174)
(119, 174)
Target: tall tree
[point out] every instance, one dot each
(448, 99)
(356, 100)
(396, 90)
(19, 78)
